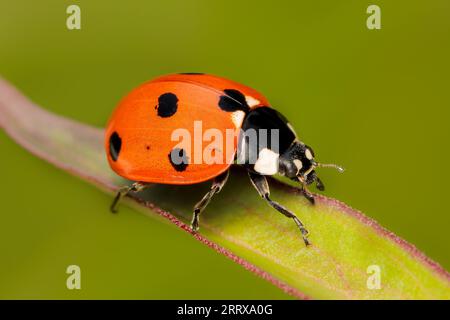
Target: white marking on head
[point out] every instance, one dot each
(299, 164)
(237, 117)
(308, 154)
(251, 101)
(267, 163)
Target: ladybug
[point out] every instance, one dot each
(140, 144)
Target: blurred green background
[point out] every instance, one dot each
(375, 101)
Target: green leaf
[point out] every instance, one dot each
(345, 243)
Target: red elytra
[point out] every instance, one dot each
(138, 136)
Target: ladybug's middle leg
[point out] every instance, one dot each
(261, 185)
(123, 191)
(217, 185)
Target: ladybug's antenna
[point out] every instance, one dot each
(330, 165)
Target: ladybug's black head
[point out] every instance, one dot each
(298, 163)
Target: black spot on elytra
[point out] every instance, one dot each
(233, 100)
(178, 159)
(192, 73)
(167, 105)
(115, 143)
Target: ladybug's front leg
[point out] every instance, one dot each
(123, 191)
(308, 195)
(217, 185)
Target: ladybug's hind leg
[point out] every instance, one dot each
(123, 191)
(261, 185)
(217, 185)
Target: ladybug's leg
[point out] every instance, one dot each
(123, 191)
(261, 185)
(319, 184)
(217, 185)
(308, 195)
